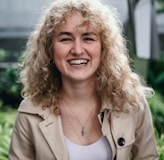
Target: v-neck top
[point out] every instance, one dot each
(99, 150)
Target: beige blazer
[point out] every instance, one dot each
(38, 134)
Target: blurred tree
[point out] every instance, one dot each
(160, 0)
(142, 61)
(131, 7)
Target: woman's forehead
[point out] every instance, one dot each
(79, 21)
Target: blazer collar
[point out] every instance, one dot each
(105, 118)
(52, 131)
(50, 126)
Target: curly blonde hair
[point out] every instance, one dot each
(115, 81)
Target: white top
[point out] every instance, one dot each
(99, 150)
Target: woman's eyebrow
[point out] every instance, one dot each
(89, 33)
(70, 34)
(64, 33)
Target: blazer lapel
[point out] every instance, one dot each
(51, 129)
(106, 129)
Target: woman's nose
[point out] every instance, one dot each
(77, 48)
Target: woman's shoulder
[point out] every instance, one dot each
(31, 112)
(28, 106)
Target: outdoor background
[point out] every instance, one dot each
(143, 22)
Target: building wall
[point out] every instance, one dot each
(18, 17)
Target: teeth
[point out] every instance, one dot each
(78, 61)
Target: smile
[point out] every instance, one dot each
(78, 61)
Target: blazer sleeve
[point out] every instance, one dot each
(21, 146)
(145, 143)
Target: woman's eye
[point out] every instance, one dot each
(66, 39)
(88, 39)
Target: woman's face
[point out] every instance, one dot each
(76, 49)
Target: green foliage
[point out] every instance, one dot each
(160, 6)
(156, 81)
(10, 88)
(160, 145)
(162, 55)
(160, 1)
(7, 119)
(157, 108)
(156, 75)
(8, 56)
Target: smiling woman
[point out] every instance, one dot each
(80, 93)
(76, 49)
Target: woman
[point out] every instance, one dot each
(82, 101)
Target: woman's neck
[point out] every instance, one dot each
(82, 94)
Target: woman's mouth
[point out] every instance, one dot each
(78, 61)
